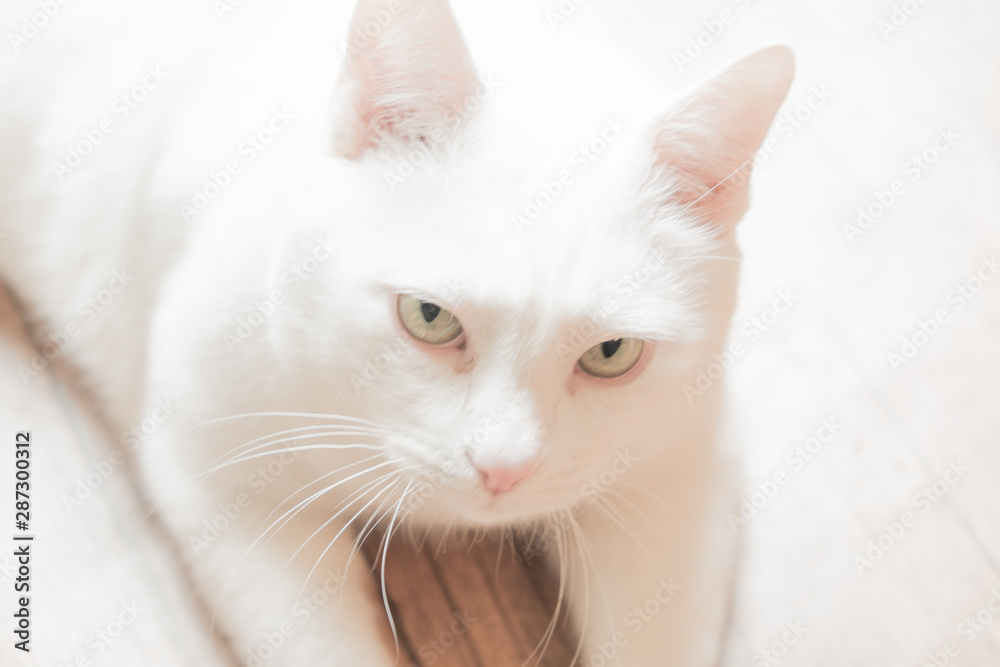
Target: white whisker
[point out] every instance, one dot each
(283, 450)
(385, 553)
(325, 430)
(253, 415)
(302, 504)
(347, 524)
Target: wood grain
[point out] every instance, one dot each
(452, 603)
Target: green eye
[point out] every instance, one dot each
(612, 357)
(428, 321)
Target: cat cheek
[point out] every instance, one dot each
(454, 354)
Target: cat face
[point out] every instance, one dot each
(515, 316)
(531, 362)
(489, 344)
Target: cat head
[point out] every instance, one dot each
(517, 304)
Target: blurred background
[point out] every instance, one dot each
(867, 399)
(876, 396)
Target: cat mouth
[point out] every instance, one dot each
(483, 509)
(446, 504)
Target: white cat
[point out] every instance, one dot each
(394, 289)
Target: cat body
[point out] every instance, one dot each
(217, 210)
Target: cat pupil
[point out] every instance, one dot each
(430, 311)
(609, 347)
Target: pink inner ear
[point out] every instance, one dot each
(707, 145)
(405, 82)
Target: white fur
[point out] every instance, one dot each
(523, 294)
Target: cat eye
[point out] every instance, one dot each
(612, 357)
(427, 321)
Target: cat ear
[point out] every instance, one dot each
(405, 72)
(704, 149)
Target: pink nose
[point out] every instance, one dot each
(501, 479)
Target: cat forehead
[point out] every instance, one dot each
(538, 202)
(514, 235)
(575, 270)
(541, 218)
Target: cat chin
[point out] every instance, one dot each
(476, 512)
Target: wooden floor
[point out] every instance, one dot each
(882, 547)
(475, 602)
